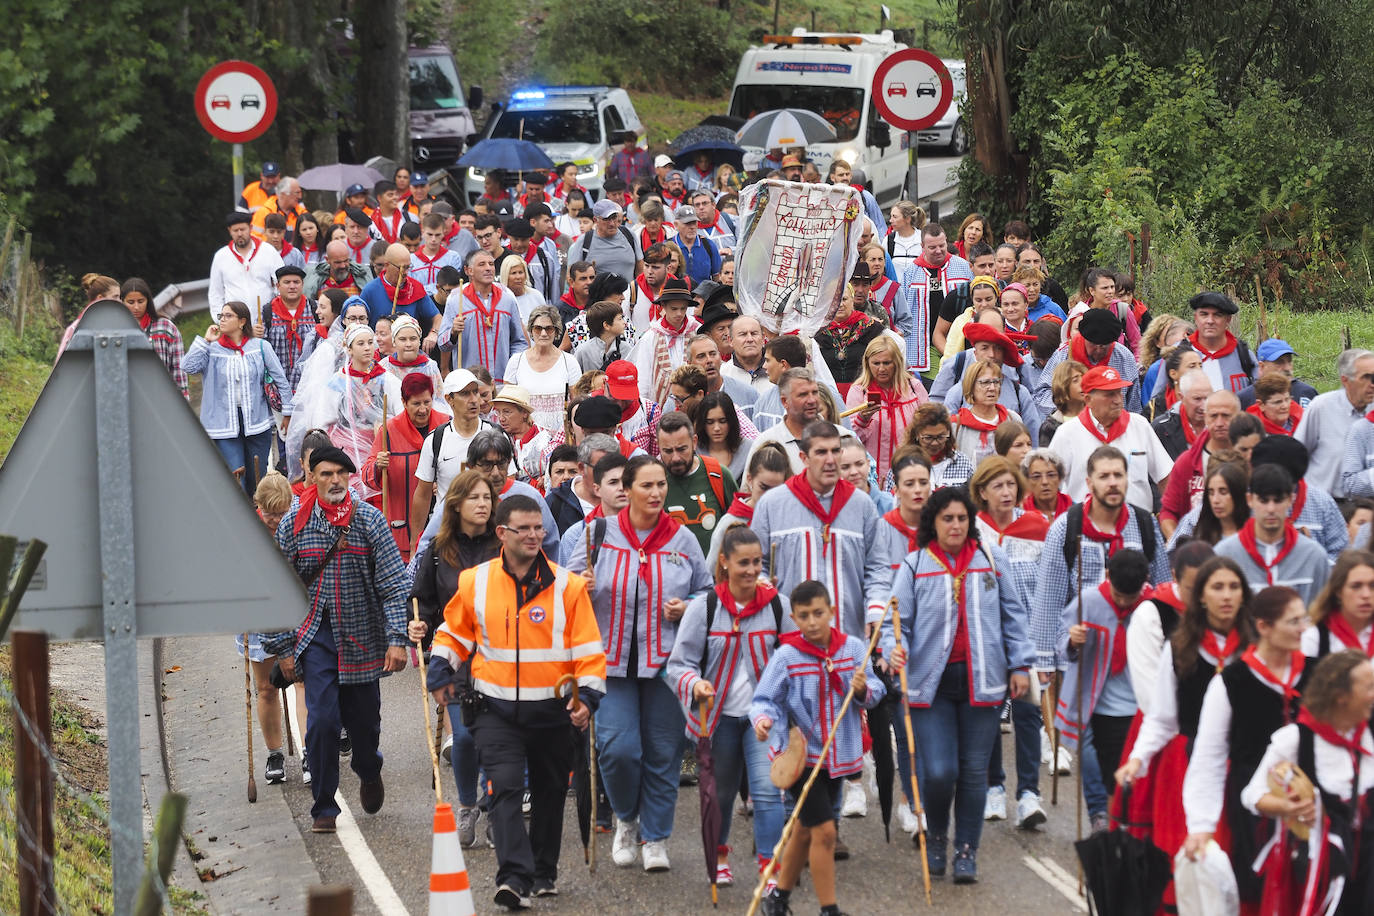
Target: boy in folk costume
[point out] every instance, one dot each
(663, 347)
(1097, 713)
(804, 685)
(1268, 549)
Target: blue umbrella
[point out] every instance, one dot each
(720, 150)
(506, 155)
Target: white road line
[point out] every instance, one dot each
(1055, 877)
(360, 855)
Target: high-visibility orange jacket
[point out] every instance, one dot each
(254, 196)
(272, 206)
(520, 652)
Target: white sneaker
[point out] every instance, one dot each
(870, 774)
(855, 802)
(1047, 756)
(995, 808)
(656, 856)
(906, 819)
(1065, 766)
(1030, 812)
(625, 846)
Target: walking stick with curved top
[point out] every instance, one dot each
(424, 696)
(1078, 795)
(788, 827)
(911, 748)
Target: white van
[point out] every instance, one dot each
(831, 74)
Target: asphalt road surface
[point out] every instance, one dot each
(1021, 872)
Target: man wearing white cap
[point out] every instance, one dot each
(445, 449)
(613, 247)
(513, 412)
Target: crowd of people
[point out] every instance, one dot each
(544, 420)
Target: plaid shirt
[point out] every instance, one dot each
(166, 341)
(363, 589)
(1121, 360)
(1058, 585)
(290, 357)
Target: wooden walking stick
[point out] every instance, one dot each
(911, 748)
(424, 696)
(386, 447)
(787, 828)
(1049, 700)
(1078, 795)
(773, 563)
(248, 721)
(395, 294)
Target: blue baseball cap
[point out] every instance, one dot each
(419, 178)
(354, 189)
(1273, 350)
(271, 168)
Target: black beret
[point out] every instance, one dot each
(597, 413)
(333, 455)
(358, 216)
(238, 216)
(519, 229)
(1215, 300)
(1099, 326)
(290, 270)
(1285, 451)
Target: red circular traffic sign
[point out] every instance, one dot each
(912, 89)
(235, 101)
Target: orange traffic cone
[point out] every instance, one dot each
(450, 893)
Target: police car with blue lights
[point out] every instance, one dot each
(581, 124)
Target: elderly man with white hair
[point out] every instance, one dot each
(287, 202)
(1179, 426)
(1330, 418)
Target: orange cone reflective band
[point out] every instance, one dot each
(450, 892)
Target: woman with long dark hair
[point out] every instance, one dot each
(1253, 698)
(1213, 632)
(718, 433)
(1223, 510)
(645, 567)
(963, 655)
(466, 538)
(233, 405)
(162, 332)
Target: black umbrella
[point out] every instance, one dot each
(703, 133)
(582, 778)
(710, 806)
(880, 730)
(1126, 875)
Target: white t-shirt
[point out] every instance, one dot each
(548, 389)
(528, 301)
(1146, 459)
(904, 251)
(453, 451)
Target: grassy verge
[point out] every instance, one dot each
(20, 383)
(81, 852)
(666, 116)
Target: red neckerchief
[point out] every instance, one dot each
(661, 534)
(1222, 652)
(990, 521)
(1352, 746)
(826, 655)
(1299, 499)
(145, 320)
(292, 321)
(957, 569)
(568, 300)
(257, 243)
(645, 241)
(420, 360)
(322, 331)
(1251, 545)
(627, 448)
(1119, 640)
(921, 260)
(894, 518)
(376, 370)
(672, 333)
(488, 315)
(426, 259)
(505, 487)
(393, 234)
(452, 233)
(228, 344)
(1273, 429)
(411, 290)
(308, 250)
(1061, 505)
(1078, 352)
(529, 434)
(598, 512)
(652, 295)
(1340, 628)
(531, 252)
(1113, 433)
(1189, 434)
(741, 509)
(338, 516)
(285, 250)
(1111, 538)
(855, 317)
(801, 489)
(359, 253)
(1206, 354)
(1168, 594)
(628, 410)
(1286, 687)
(965, 417)
(1170, 397)
(763, 595)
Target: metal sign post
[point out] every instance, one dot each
(131, 560)
(238, 173)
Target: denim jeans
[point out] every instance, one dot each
(464, 758)
(1026, 722)
(1099, 782)
(240, 451)
(639, 736)
(955, 741)
(734, 747)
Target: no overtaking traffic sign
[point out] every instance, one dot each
(912, 88)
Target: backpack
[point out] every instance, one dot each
(712, 599)
(716, 479)
(587, 241)
(1074, 531)
(438, 437)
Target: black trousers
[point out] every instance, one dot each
(507, 752)
(1109, 740)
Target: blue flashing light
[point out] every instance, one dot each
(527, 95)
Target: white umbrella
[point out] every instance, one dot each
(785, 127)
(337, 176)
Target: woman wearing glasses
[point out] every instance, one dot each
(980, 416)
(543, 370)
(645, 567)
(930, 430)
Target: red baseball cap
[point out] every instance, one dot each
(622, 380)
(1103, 378)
